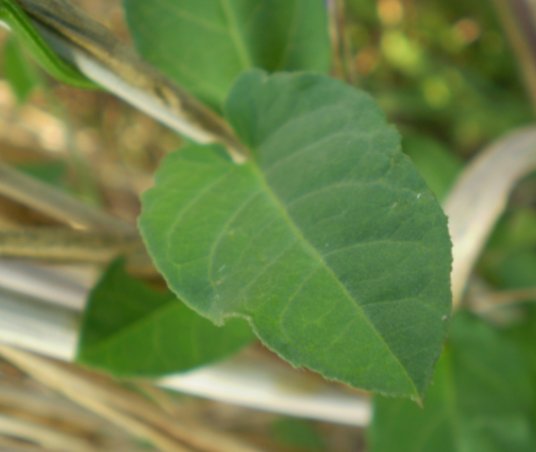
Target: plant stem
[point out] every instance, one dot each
(340, 45)
(58, 205)
(66, 245)
(480, 196)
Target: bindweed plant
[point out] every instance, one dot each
(299, 222)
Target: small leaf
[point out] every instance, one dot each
(205, 45)
(130, 329)
(480, 400)
(327, 241)
(19, 71)
(52, 172)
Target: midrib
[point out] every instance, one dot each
(314, 252)
(239, 43)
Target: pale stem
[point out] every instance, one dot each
(340, 45)
(480, 196)
(496, 300)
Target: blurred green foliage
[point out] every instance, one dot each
(509, 262)
(19, 71)
(52, 172)
(481, 398)
(297, 434)
(440, 68)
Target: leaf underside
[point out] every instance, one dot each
(327, 241)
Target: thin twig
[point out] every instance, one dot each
(57, 204)
(71, 246)
(495, 300)
(343, 66)
(121, 407)
(23, 399)
(519, 20)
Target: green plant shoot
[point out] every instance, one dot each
(16, 18)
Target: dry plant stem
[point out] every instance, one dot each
(340, 45)
(8, 444)
(480, 196)
(160, 398)
(93, 49)
(56, 204)
(27, 401)
(335, 37)
(519, 20)
(44, 436)
(125, 409)
(66, 245)
(496, 300)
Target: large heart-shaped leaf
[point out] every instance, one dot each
(205, 44)
(327, 240)
(129, 329)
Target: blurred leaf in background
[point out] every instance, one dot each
(297, 434)
(481, 399)
(509, 261)
(131, 329)
(442, 69)
(19, 70)
(53, 172)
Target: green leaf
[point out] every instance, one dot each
(480, 399)
(19, 72)
(327, 241)
(204, 45)
(524, 336)
(52, 172)
(130, 329)
(298, 434)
